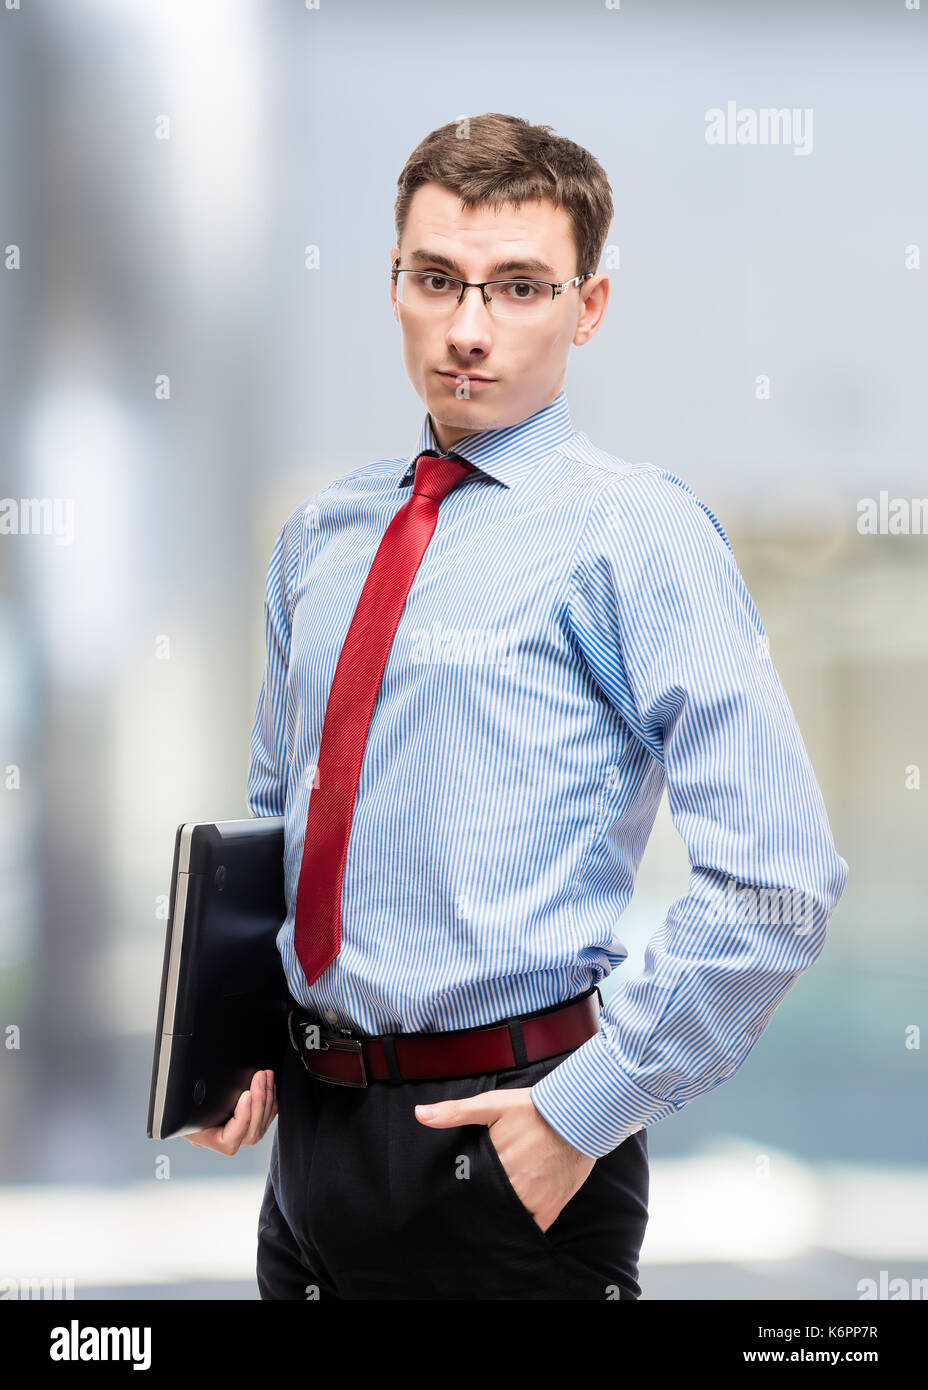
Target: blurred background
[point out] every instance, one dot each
(175, 380)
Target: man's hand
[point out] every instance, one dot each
(543, 1168)
(253, 1113)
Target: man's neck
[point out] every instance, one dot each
(447, 440)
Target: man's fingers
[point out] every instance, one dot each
(256, 1119)
(254, 1111)
(270, 1105)
(266, 1101)
(481, 1109)
(233, 1131)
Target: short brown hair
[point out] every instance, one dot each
(504, 159)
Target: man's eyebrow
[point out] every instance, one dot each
(524, 263)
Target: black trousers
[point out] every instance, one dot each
(364, 1202)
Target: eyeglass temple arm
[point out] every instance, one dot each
(574, 280)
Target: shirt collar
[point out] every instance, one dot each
(505, 455)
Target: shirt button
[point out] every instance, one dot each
(331, 1016)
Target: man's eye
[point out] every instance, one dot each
(443, 282)
(515, 288)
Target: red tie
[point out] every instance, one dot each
(317, 924)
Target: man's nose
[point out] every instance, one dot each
(471, 319)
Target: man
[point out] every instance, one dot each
(485, 661)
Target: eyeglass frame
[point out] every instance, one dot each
(556, 287)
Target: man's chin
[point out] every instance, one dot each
(457, 409)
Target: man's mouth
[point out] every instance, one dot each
(474, 383)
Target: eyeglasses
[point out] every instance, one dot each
(435, 292)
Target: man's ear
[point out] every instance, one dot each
(594, 301)
(394, 256)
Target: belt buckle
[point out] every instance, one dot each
(342, 1042)
(328, 1042)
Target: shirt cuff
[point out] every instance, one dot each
(592, 1103)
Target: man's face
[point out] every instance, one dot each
(525, 362)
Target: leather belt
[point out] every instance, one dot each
(349, 1059)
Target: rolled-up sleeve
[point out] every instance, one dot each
(267, 774)
(665, 624)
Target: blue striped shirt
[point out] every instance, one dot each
(577, 636)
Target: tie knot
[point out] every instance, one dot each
(437, 475)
